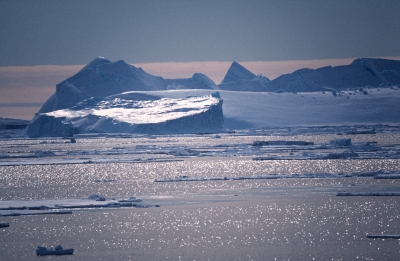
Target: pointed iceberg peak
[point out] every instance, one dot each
(96, 62)
(237, 73)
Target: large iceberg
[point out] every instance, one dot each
(147, 115)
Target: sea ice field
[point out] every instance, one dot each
(288, 193)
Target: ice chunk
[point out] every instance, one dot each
(282, 143)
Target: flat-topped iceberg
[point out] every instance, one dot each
(149, 115)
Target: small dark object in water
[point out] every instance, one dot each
(58, 250)
(384, 236)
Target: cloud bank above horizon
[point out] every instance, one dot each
(73, 32)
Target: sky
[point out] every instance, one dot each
(46, 41)
(57, 32)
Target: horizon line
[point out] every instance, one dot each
(396, 57)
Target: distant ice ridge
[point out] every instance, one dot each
(149, 115)
(364, 72)
(360, 73)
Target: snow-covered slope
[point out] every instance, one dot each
(149, 114)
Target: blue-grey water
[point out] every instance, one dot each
(261, 219)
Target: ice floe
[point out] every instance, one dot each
(376, 174)
(66, 206)
(370, 194)
(282, 142)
